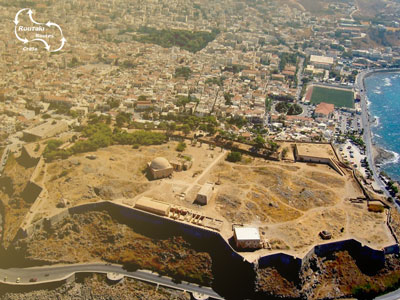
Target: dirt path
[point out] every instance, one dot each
(205, 172)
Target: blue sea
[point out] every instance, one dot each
(383, 91)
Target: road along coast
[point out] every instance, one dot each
(374, 154)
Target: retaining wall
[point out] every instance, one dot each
(206, 240)
(39, 167)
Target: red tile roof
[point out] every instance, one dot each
(324, 108)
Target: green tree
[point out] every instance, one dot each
(181, 147)
(284, 152)
(234, 156)
(282, 107)
(184, 72)
(185, 129)
(228, 98)
(122, 118)
(113, 103)
(273, 146)
(259, 141)
(294, 109)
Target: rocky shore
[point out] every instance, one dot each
(381, 155)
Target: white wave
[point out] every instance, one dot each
(375, 121)
(394, 160)
(376, 135)
(387, 82)
(378, 92)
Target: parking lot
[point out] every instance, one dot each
(354, 156)
(347, 122)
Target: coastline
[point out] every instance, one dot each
(380, 155)
(374, 152)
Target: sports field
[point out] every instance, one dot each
(340, 98)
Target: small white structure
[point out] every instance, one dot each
(205, 193)
(115, 277)
(247, 237)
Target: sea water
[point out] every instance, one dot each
(383, 91)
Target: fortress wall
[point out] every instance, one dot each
(39, 167)
(393, 249)
(287, 265)
(58, 217)
(210, 241)
(308, 255)
(323, 250)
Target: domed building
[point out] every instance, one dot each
(160, 168)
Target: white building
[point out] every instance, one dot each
(205, 193)
(322, 62)
(247, 237)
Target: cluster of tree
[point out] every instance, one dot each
(100, 135)
(216, 80)
(335, 74)
(357, 140)
(183, 100)
(288, 108)
(228, 98)
(281, 97)
(181, 147)
(381, 37)
(268, 103)
(287, 58)
(62, 109)
(184, 72)
(113, 103)
(51, 151)
(94, 119)
(234, 68)
(123, 118)
(265, 61)
(259, 141)
(337, 47)
(207, 123)
(192, 41)
(238, 121)
(234, 156)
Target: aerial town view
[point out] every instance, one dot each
(205, 149)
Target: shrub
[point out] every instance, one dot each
(181, 147)
(376, 208)
(234, 156)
